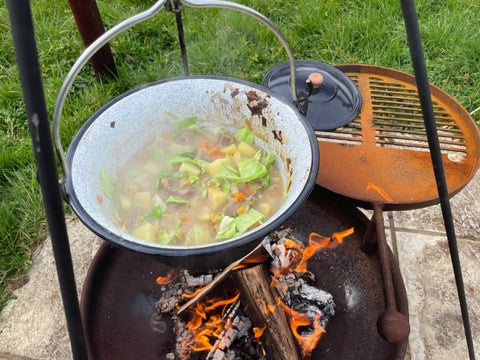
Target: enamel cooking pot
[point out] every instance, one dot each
(120, 128)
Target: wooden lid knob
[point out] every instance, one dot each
(316, 79)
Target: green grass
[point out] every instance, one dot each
(220, 42)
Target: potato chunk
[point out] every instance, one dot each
(246, 149)
(145, 232)
(190, 169)
(216, 198)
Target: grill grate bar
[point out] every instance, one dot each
(397, 93)
(399, 99)
(413, 138)
(410, 121)
(442, 132)
(407, 125)
(401, 108)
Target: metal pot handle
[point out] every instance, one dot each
(125, 25)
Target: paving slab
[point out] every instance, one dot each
(33, 325)
(436, 324)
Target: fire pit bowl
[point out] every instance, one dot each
(120, 293)
(120, 128)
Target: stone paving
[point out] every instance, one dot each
(33, 327)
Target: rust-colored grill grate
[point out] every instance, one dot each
(386, 145)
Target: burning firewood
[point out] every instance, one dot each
(255, 291)
(269, 310)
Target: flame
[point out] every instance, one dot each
(338, 237)
(267, 308)
(206, 324)
(223, 303)
(202, 342)
(252, 260)
(379, 190)
(189, 296)
(258, 331)
(206, 321)
(317, 241)
(307, 342)
(172, 275)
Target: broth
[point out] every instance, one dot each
(195, 186)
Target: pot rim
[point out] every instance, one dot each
(184, 251)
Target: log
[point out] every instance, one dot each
(254, 284)
(90, 27)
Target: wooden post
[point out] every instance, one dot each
(90, 26)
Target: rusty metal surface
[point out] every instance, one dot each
(386, 146)
(120, 293)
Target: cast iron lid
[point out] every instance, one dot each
(333, 104)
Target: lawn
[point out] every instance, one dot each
(220, 42)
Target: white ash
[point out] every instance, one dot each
(201, 280)
(299, 295)
(184, 284)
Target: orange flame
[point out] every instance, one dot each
(379, 190)
(172, 275)
(205, 325)
(307, 342)
(258, 331)
(253, 260)
(317, 241)
(202, 342)
(267, 308)
(338, 237)
(223, 303)
(189, 296)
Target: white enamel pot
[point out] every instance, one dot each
(121, 127)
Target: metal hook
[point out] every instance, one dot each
(174, 6)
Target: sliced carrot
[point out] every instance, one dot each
(213, 220)
(246, 191)
(183, 181)
(184, 218)
(202, 146)
(277, 194)
(240, 210)
(238, 197)
(100, 199)
(213, 150)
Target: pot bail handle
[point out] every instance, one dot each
(125, 25)
(75, 70)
